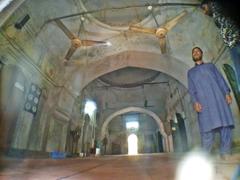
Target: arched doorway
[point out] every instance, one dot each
(140, 110)
(166, 64)
(81, 76)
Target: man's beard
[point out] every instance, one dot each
(197, 59)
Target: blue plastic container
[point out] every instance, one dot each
(57, 155)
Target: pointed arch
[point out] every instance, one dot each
(140, 110)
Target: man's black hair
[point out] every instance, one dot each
(198, 49)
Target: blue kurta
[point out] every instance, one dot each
(207, 86)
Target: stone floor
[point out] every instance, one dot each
(146, 167)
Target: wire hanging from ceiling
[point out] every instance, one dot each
(125, 7)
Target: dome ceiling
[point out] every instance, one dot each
(120, 78)
(118, 17)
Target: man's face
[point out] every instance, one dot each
(196, 55)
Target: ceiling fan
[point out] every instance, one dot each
(76, 42)
(161, 31)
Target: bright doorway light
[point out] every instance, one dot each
(90, 107)
(132, 144)
(132, 125)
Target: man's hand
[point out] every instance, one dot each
(228, 98)
(197, 106)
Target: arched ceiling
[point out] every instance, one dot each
(82, 76)
(42, 45)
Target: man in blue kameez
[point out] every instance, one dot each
(211, 98)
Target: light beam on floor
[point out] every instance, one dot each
(195, 166)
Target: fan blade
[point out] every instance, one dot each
(70, 52)
(171, 23)
(68, 33)
(142, 29)
(163, 45)
(92, 43)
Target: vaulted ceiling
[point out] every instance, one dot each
(42, 44)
